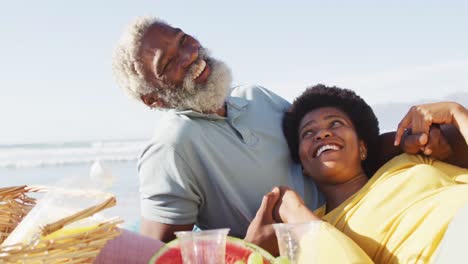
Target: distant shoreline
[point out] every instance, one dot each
(69, 153)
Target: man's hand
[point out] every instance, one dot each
(420, 118)
(435, 145)
(260, 231)
(423, 121)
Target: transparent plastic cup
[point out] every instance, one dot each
(203, 247)
(291, 241)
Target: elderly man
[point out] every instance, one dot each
(215, 151)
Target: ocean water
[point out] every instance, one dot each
(49, 163)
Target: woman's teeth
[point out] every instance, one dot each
(325, 148)
(201, 64)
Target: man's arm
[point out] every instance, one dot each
(387, 149)
(169, 193)
(445, 143)
(459, 147)
(160, 231)
(452, 117)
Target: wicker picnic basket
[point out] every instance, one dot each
(79, 247)
(14, 205)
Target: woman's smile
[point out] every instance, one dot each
(326, 148)
(329, 145)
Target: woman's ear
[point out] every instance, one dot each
(362, 150)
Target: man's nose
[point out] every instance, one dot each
(190, 52)
(322, 134)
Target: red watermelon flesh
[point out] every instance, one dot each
(169, 254)
(236, 249)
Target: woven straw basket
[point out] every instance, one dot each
(14, 205)
(80, 247)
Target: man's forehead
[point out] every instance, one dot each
(155, 36)
(159, 34)
(161, 28)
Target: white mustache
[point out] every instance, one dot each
(205, 98)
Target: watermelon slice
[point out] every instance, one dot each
(236, 250)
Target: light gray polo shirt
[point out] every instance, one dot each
(213, 171)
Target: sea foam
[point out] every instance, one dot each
(68, 153)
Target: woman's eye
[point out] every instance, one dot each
(336, 123)
(306, 133)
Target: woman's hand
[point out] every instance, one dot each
(421, 118)
(290, 208)
(282, 204)
(260, 231)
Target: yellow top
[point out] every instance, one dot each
(328, 245)
(402, 213)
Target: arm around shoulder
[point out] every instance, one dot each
(460, 116)
(454, 131)
(438, 130)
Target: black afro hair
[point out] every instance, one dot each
(360, 113)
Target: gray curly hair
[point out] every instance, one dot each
(127, 69)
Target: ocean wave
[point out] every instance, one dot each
(70, 153)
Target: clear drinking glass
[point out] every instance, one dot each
(203, 247)
(291, 236)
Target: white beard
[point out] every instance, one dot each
(204, 98)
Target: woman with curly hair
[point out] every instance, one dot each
(397, 215)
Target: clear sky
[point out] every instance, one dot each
(55, 56)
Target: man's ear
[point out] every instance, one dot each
(152, 100)
(362, 150)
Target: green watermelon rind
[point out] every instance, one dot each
(265, 254)
(254, 248)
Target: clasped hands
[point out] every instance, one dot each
(419, 131)
(281, 205)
